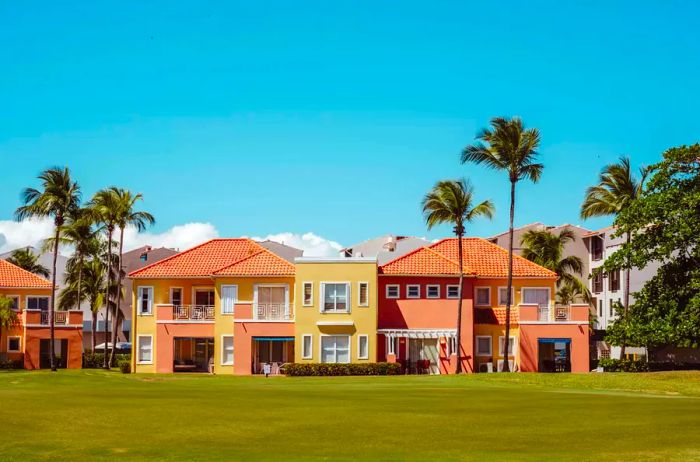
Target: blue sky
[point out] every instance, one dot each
(336, 117)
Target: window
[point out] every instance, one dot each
(536, 296)
(511, 365)
(335, 349)
(511, 346)
(145, 351)
(143, 257)
(432, 291)
(483, 345)
(597, 248)
(229, 295)
(611, 303)
(306, 346)
(363, 294)
(145, 300)
(38, 303)
(503, 292)
(308, 296)
(204, 297)
(392, 291)
(598, 282)
(412, 291)
(227, 350)
(362, 347)
(176, 296)
(483, 296)
(335, 297)
(453, 345)
(600, 308)
(614, 281)
(452, 291)
(13, 344)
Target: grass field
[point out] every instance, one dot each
(94, 415)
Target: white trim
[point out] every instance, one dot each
(335, 323)
(202, 288)
(221, 299)
(418, 333)
(322, 297)
(452, 286)
(408, 290)
(359, 348)
(26, 302)
(270, 284)
(182, 294)
(427, 290)
(549, 295)
(139, 290)
(320, 348)
(310, 353)
(138, 349)
(184, 321)
(476, 295)
(558, 323)
(303, 293)
(58, 326)
(10, 337)
(284, 321)
(511, 351)
(490, 353)
(359, 293)
(512, 296)
(223, 350)
(511, 365)
(393, 286)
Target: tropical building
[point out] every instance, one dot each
(28, 340)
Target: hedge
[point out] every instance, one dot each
(11, 364)
(125, 366)
(95, 360)
(300, 370)
(630, 365)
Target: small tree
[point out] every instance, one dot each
(8, 316)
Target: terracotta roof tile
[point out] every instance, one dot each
(480, 258)
(263, 263)
(495, 316)
(16, 277)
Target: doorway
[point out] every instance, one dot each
(554, 355)
(60, 349)
(423, 355)
(193, 354)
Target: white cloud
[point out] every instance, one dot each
(16, 234)
(180, 237)
(312, 244)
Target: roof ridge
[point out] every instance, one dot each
(253, 255)
(516, 256)
(401, 257)
(442, 256)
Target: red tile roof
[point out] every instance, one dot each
(495, 316)
(480, 258)
(12, 276)
(216, 255)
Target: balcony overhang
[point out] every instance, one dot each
(335, 323)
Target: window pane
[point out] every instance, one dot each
(145, 349)
(484, 345)
(363, 293)
(227, 351)
(453, 291)
(307, 293)
(433, 291)
(536, 296)
(363, 353)
(306, 347)
(482, 296)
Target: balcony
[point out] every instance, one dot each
(193, 312)
(38, 318)
(59, 318)
(274, 312)
(560, 313)
(577, 313)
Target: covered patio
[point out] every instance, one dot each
(421, 351)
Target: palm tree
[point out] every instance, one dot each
(570, 292)
(8, 316)
(509, 147)
(26, 259)
(451, 201)
(59, 199)
(126, 216)
(88, 284)
(617, 188)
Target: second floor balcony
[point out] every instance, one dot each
(193, 312)
(273, 312)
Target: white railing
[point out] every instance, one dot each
(559, 313)
(273, 312)
(59, 317)
(193, 312)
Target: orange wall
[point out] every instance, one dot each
(530, 333)
(243, 333)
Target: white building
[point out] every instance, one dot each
(384, 248)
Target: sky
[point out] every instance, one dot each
(324, 123)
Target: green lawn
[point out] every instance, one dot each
(93, 415)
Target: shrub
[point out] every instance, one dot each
(623, 365)
(11, 364)
(95, 360)
(300, 370)
(125, 366)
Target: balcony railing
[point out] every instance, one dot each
(274, 312)
(59, 317)
(559, 313)
(193, 312)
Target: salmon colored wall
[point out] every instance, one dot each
(32, 345)
(530, 333)
(243, 333)
(518, 284)
(164, 341)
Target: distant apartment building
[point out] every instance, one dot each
(384, 248)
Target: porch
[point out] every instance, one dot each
(275, 351)
(193, 354)
(421, 351)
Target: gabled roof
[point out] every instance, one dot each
(263, 263)
(206, 259)
(481, 258)
(12, 276)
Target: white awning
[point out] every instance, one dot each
(335, 323)
(419, 333)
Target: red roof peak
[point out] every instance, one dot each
(12, 276)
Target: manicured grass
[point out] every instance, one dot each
(93, 415)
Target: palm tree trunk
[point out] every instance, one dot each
(105, 364)
(458, 369)
(94, 330)
(119, 296)
(80, 280)
(506, 340)
(52, 335)
(627, 298)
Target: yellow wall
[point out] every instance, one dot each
(364, 318)
(518, 284)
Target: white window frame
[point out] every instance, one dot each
(476, 295)
(455, 287)
(549, 294)
(223, 350)
(310, 353)
(29, 297)
(453, 345)
(348, 297)
(255, 297)
(408, 290)
(138, 349)
(233, 303)
(19, 300)
(511, 365)
(139, 291)
(303, 293)
(397, 287)
(359, 346)
(359, 293)
(19, 340)
(490, 338)
(511, 351)
(432, 286)
(512, 296)
(182, 294)
(320, 350)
